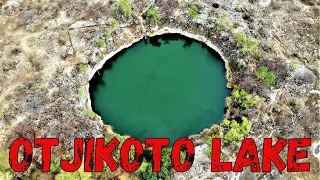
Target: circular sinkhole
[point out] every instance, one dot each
(165, 86)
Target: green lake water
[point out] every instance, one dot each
(166, 86)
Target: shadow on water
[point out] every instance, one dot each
(167, 38)
(154, 41)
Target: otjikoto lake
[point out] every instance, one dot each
(166, 86)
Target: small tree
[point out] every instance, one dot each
(193, 11)
(82, 67)
(154, 16)
(100, 43)
(224, 22)
(114, 23)
(243, 99)
(249, 45)
(237, 131)
(268, 77)
(125, 7)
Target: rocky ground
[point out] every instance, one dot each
(48, 55)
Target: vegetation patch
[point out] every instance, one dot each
(249, 45)
(237, 130)
(234, 64)
(81, 94)
(100, 43)
(154, 16)
(125, 7)
(234, 131)
(215, 134)
(145, 171)
(82, 67)
(89, 112)
(114, 23)
(5, 169)
(224, 23)
(266, 76)
(193, 11)
(243, 99)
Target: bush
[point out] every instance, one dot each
(81, 94)
(82, 67)
(237, 131)
(145, 171)
(239, 9)
(125, 7)
(154, 16)
(209, 142)
(100, 43)
(249, 45)
(266, 76)
(4, 163)
(224, 22)
(107, 34)
(115, 10)
(6, 175)
(79, 174)
(114, 22)
(210, 20)
(109, 31)
(234, 65)
(116, 153)
(89, 112)
(193, 11)
(243, 99)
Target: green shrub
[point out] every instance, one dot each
(145, 171)
(249, 45)
(79, 174)
(193, 11)
(237, 131)
(243, 99)
(224, 22)
(89, 112)
(109, 31)
(54, 167)
(209, 142)
(154, 16)
(116, 153)
(107, 34)
(234, 65)
(100, 43)
(4, 163)
(82, 67)
(125, 7)
(268, 77)
(106, 174)
(81, 94)
(115, 10)
(120, 138)
(6, 175)
(239, 9)
(114, 23)
(37, 174)
(210, 20)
